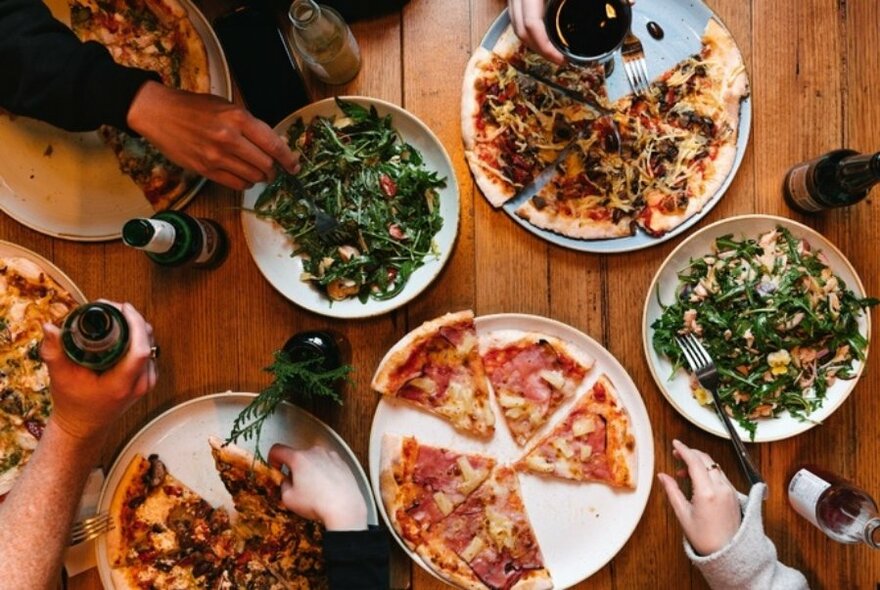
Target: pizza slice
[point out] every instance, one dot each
(532, 375)
(488, 541)
(287, 545)
(513, 126)
(593, 443)
(438, 368)
(422, 484)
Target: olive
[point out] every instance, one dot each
(328, 346)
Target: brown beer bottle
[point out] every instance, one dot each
(836, 179)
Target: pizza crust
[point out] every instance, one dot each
(582, 228)
(235, 455)
(115, 547)
(390, 457)
(449, 565)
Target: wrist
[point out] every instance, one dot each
(141, 110)
(352, 519)
(77, 440)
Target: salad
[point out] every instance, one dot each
(357, 169)
(779, 324)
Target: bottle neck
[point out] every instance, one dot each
(858, 173)
(304, 13)
(150, 235)
(96, 330)
(872, 533)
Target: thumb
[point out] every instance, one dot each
(50, 349)
(679, 503)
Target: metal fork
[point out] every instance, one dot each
(89, 528)
(703, 367)
(634, 63)
(327, 227)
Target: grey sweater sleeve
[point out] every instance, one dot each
(749, 560)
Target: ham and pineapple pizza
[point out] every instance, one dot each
(594, 442)
(422, 484)
(438, 368)
(531, 375)
(488, 541)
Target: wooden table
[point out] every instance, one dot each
(815, 86)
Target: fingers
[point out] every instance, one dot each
(679, 503)
(282, 455)
(696, 465)
(139, 344)
(536, 31)
(50, 349)
(516, 18)
(270, 144)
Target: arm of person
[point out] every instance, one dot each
(38, 511)
(49, 74)
(356, 555)
(724, 534)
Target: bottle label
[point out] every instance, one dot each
(804, 491)
(796, 185)
(163, 237)
(210, 242)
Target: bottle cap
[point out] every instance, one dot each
(95, 323)
(138, 232)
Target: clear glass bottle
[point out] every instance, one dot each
(839, 509)
(95, 335)
(324, 42)
(172, 238)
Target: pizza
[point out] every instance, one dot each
(154, 35)
(422, 484)
(594, 442)
(290, 546)
(531, 375)
(649, 161)
(29, 297)
(488, 541)
(438, 368)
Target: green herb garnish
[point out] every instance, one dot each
(292, 379)
(357, 169)
(779, 324)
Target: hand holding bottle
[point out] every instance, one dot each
(712, 516)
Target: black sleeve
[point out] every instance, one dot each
(48, 74)
(357, 560)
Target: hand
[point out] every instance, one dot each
(209, 135)
(86, 403)
(527, 17)
(321, 487)
(713, 516)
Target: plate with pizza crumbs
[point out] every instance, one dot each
(27, 299)
(557, 201)
(579, 526)
(790, 350)
(396, 199)
(180, 437)
(69, 185)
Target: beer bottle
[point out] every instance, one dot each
(172, 238)
(324, 42)
(835, 179)
(839, 509)
(95, 335)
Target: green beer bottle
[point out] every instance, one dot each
(95, 335)
(172, 238)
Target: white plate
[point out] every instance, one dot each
(77, 192)
(8, 249)
(676, 387)
(271, 248)
(180, 438)
(683, 22)
(580, 526)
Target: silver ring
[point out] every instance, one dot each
(154, 352)
(712, 466)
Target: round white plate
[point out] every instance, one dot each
(271, 248)
(180, 438)
(68, 185)
(677, 388)
(8, 249)
(683, 22)
(580, 526)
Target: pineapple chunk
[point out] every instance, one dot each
(443, 503)
(554, 378)
(583, 426)
(585, 452)
(564, 448)
(510, 401)
(474, 547)
(539, 463)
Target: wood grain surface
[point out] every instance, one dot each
(815, 86)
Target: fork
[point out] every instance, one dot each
(703, 367)
(327, 227)
(634, 63)
(89, 528)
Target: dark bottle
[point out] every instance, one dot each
(835, 179)
(330, 347)
(95, 335)
(839, 509)
(171, 238)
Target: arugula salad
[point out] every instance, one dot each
(357, 169)
(779, 324)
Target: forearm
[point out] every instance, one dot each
(35, 519)
(49, 74)
(357, 560)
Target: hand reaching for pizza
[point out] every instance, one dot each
(713, 515)
(321, 487)
(209, 135)
(527, 17)
(85, 403)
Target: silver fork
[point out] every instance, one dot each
(634, 63)
(327, 227)
(703, 367)
(89, 528)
